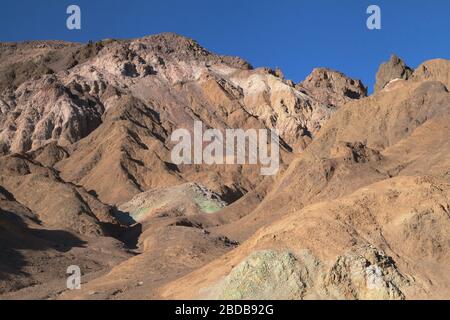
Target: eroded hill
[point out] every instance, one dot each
(359, 209)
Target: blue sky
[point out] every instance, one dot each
(294, 35)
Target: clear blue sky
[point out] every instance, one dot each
(295, 35)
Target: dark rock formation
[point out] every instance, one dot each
(395, 68)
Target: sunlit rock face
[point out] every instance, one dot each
(359, 208)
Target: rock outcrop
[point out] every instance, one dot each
(362, 273)
(331, 87)
(394, 69)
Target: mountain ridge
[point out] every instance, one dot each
(360, 199)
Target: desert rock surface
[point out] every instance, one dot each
(360, 208)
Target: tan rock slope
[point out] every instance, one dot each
(363, 213)
(135, 93)
(360, 208)
(388, 240)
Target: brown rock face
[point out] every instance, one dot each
(360, 208)
(165, 73)
(341, 222)
(139, 91)
(331, 87)
(395, 68)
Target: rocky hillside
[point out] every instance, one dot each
(115, 105)
(359, 209)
